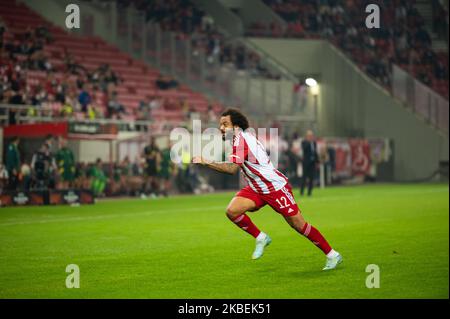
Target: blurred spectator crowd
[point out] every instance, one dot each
(54, 166)
(70, 90)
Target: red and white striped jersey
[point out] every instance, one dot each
(255, 164)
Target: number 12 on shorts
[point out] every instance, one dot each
(284, 200)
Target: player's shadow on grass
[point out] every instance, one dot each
(314, 273)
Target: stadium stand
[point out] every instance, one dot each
(83, 77)
(407, 43)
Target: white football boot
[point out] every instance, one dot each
(260, 245)
(332, 262)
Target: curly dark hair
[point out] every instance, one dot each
(237, 118)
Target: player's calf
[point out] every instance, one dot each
(300, 225)
(236, 213)
(245, 223)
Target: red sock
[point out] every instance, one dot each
(316, 238)
(245, 223)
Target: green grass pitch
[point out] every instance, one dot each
(185, 247)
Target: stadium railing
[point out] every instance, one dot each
(22, 117)
(420, 99)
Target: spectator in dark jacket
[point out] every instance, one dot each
(84, 98)
(310, 160)
(13, 163)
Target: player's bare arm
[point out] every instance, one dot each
(226, 126)
(222, 167)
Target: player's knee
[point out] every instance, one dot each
(232, 213)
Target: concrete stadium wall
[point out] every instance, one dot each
(252, 11)
(54, 11)
(351, 104)
(89, 150)
(299, 56)
(275, 93)
(51, 10)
